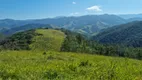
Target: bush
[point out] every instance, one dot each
(51, 74)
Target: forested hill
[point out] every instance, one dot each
(44, 39)
(129, 34)
(36, 39)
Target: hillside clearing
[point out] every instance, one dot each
(49, 40)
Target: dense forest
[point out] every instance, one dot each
(78, 43)
(129, 34)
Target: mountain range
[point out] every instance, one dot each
(89, 24)
(129, 16)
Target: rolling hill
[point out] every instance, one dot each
(129, 34)
(49, 40)
(59, 54)
(36, 40)
(44, 39)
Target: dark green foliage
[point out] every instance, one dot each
(6, 76)
(1, 37)
(19, 41)
(51, 75)
(74, 42)
(44, 53)
(77, 43)
(129, 34)
(84, 63)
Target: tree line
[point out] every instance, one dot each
(75, 42)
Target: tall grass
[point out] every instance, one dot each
(49, 40)
(28, 65)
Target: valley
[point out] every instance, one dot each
(70, 40)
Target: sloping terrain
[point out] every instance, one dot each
(48, 40)
(36, 55)
(36, 39)
(23, 65)
(128, 34)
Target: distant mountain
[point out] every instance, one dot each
(25, 27)
(129, 34)
(88, 24)
(135, 19)
(10, 23)
(85, 24)
(128, 16)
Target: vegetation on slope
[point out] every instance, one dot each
(75, 42)
(40, 62)
(66, 66)
(39, 39)
(65, 41)
(50, 40)
(129, 34)
(19, 41)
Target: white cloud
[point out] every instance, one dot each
(95, 8)
(74, 14)
(73, 2)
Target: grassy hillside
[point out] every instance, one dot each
(27, 65)
(48, 40)
(38, 39)
(34, 55)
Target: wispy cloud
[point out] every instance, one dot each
(74, 14)
(73, 2)
(94, 8)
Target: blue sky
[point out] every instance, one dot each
(36, 9)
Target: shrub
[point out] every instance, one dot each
(85, 63)
(51, 74)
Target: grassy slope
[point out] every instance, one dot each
(49, 40)
(27, 65)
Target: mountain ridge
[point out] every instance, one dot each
(128, 34)
(88, 24)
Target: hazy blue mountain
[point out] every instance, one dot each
(128, 16)
(128, 34)
(134, 19)
(85, 24)
(10, 23)
(25, 27)
(89, 24)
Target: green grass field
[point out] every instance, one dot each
(45, 62)
(28, 65)
(49, 40)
